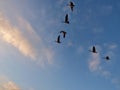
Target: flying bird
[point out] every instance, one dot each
(93, 50)
(71, 5)
(58, 39)
(66, 19)
(64, 33)
(107, 58)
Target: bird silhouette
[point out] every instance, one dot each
(71, 5)
(107, 58)
(58, 39)
(93, 50)
(66, 19)
(64, 33)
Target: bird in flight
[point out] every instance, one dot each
(66, 19)
(58, 39)
(107, 58)
(64, 33)
(71, 5)
(93, 50)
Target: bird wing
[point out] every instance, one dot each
(66, 17)
(61, 31)
(94, 50)
(58, 39)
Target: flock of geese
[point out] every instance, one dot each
(66, 20)
(93, 50)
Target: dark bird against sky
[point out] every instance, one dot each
(93, 50)
(107, 58)
(64, 33)
(58, 39)
(66, 19)
(71, 5)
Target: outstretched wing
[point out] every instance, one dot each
(64, 33)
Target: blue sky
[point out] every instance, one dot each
(31, 60)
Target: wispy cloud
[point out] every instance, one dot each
(95, 65)
(24, 38)
(9, 86)
(94, 62)
(6, 84)
(13, 36)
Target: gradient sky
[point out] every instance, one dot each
(31, 60)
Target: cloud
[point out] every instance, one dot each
(44, 54)
(94, 62)
(6, 84)
(49, 55)
(95, 65)
(9, 86)
(13, 36)
(24, 38)
(29, 29)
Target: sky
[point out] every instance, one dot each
(30, 59)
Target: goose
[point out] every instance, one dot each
(58, 39)
(66, 19)
(93, 50)
(64, 33)
(71, 5)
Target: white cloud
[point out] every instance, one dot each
(10, 86)
(96, 66)
(24, 38)
(6, 84)
(13, 36)
(94, 62)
